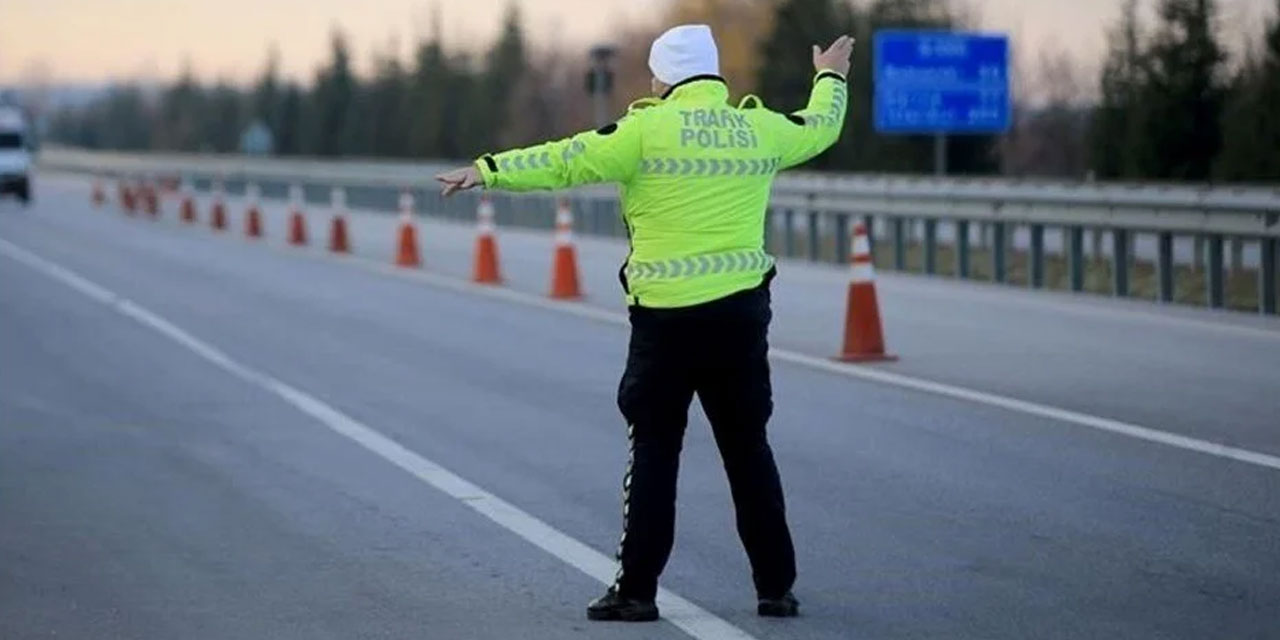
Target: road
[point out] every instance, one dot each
(203, 452)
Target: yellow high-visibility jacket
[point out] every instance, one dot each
(695, 174)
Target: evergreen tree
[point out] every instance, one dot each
(1117, 123)
(1251, 132)
(288, 134)
(267, 95)
(428, 92)
(505, 67)
(122, 120)
(223, 119)
(177, 125)
(385, 114)
(329, 107)
(1184, 92)
(465, 131)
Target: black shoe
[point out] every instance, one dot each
(612, 606)
(785, 607)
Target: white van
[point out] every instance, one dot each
(15, 154)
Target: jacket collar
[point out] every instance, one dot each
(698, 86)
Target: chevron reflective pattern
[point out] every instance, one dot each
(709, 166)
(832, 117)
(706, 264)
(523, 161)
(572, 151)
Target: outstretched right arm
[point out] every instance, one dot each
(804, 134)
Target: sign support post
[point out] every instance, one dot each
(940, 154)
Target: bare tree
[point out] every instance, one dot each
(1050, 136)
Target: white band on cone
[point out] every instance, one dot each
(564, 225)
(864, 272)
(484, 218)
(860, 246)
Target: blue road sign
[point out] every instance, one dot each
(941, 82)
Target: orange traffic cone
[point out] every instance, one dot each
(218, 217)
(98, 196)
(338, 230)
(127, 201)
(150, 199)
(253, 218)
(187, 211)
(485, 270)
(407, 235)
(564, 272)
(863, 338)
(297, 223)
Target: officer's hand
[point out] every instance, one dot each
(459, 180)
(836, 57)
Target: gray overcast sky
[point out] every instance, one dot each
(93, 40)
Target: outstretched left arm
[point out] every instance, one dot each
(608, 154)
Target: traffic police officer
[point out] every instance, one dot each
(695, 174)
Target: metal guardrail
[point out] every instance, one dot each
(909, 208)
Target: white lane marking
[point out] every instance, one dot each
(685, 615)
(855, 371)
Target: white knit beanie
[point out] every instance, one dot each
(684, 52)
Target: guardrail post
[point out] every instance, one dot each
(962, 249)
(899, 244)
(789, 232)
(930, 246)
(1214, 290)
(1120, 263)
(815, 240)
(1164, 266)
(869, 223)
(1267, 276)
(1075, 257)
(1035, 274)
(999, 243)
(842, 238)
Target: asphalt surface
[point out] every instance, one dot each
(148, 494)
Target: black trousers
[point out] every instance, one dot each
(717, 350)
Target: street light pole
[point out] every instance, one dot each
(600, 82)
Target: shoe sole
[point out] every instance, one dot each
(771, 612)
(623, 616)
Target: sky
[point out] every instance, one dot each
(93, 41)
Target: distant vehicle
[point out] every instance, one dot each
(16, 142)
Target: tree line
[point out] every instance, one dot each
(1170, 104)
